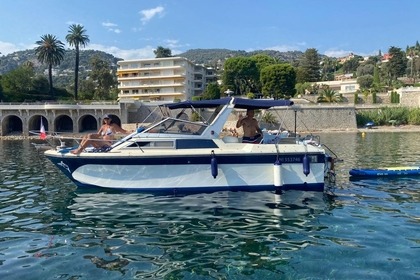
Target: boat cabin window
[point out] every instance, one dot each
(151, 144)
(174, 126)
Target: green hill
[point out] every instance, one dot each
(64, 73)
(215, 57)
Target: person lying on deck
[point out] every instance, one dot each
(252, 131)
(103, 138)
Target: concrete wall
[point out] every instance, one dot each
(308, 118)
(409, 97)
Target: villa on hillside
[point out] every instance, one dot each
(162, 79)
(342, 86)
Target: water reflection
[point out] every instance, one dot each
(49, 229)
(197, 233)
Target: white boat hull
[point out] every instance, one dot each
(159, 177)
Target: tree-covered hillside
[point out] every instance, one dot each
(64, 73)
(216, 57)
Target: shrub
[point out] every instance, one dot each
(383, 116)
(195, 117)
(414, 116)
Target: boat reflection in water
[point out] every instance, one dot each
(156, 232)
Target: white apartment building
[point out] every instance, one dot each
(162, 79)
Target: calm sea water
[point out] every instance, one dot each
(367, 229)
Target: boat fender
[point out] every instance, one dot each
(306, 165)
(213, 163)
(277, 174)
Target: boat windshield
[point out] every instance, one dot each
(176, 126)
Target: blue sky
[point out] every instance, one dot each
(132, 29)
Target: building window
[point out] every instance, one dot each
(350, 88)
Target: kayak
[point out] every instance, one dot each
(386, 171)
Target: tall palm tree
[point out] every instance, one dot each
(77, 37)
(50, 51)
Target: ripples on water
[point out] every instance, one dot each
(366, 229)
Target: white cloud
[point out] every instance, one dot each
(146, 52)
(337, 53)
(73, 22)
(342, 53)
(147, 15)
(175, 46)
(172, 42)
(111, 27)
(287, 48)
(8, 48)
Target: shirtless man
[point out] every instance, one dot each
(252, 132)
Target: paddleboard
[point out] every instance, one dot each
(386, 171)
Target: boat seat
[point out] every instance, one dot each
(274, 137)
(98, 150)
(230, 139)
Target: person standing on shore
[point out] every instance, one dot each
(252, 131)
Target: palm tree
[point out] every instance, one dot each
(50, 51)
(77, 37)
(329, 95)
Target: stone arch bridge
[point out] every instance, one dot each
(20, 119)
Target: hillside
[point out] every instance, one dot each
(218, 56)
(63, 74)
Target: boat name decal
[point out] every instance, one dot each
(291, 159)
(297, 159)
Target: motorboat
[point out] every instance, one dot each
(178, 154)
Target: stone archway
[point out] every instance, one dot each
(34, 123)
(115, 119)
(11, 125)
(63, 123)
(88, 123)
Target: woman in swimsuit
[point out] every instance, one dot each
(103, 138)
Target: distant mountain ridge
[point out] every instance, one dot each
(215, 56)
(63, 74)
(12, 61)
